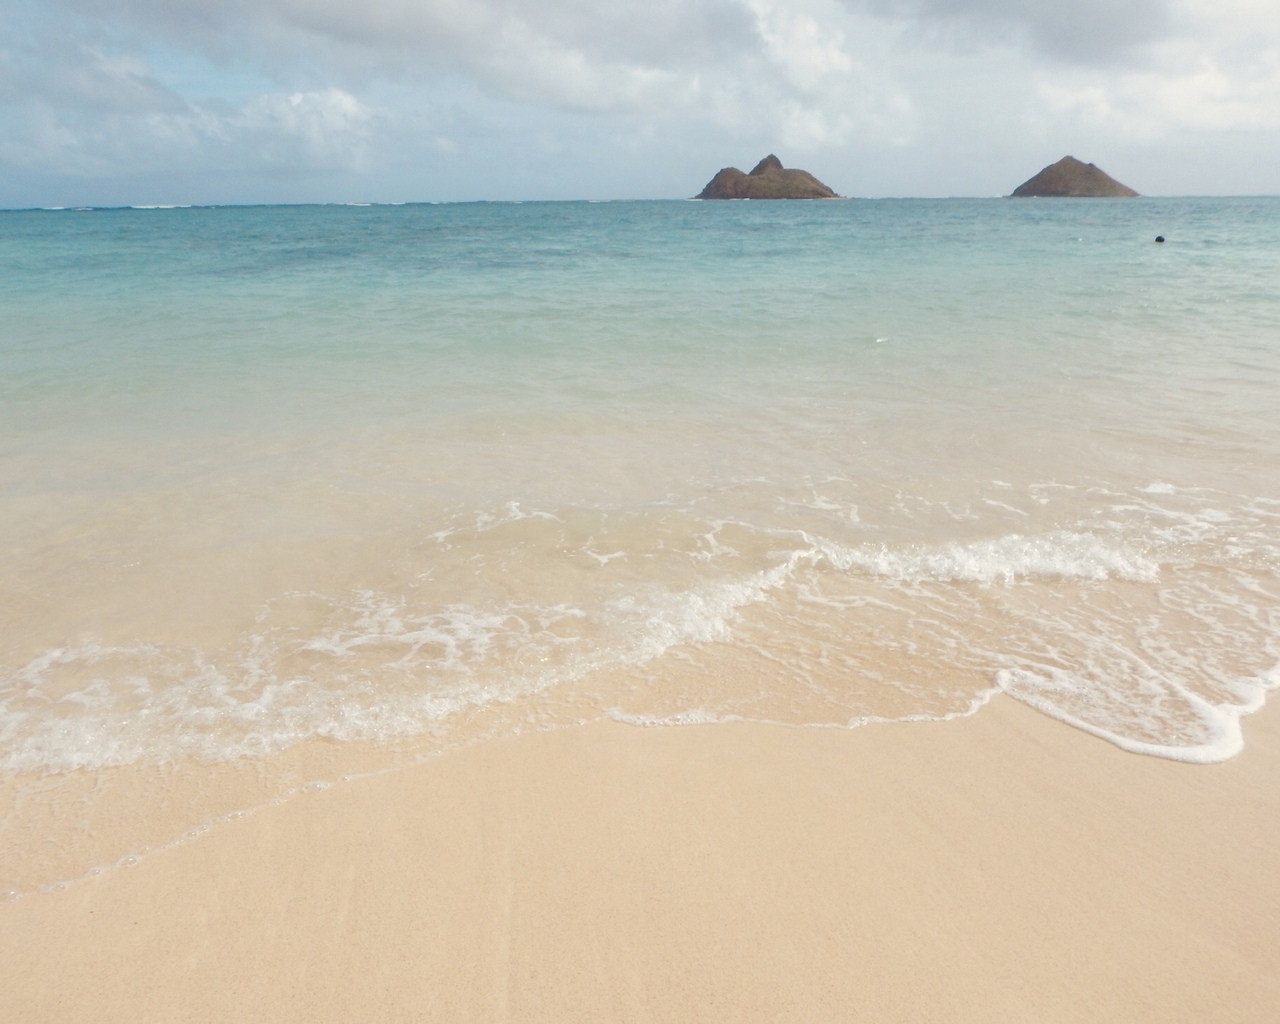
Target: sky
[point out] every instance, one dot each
(135, 102)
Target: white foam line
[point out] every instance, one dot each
(701, 716)
(1059, 555)
(693, 716)
(1228, 716)
(1001, 504)
(1223, 720)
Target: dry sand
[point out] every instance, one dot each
(998, 868)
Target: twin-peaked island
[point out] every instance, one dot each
(767, 180)
(770, 180)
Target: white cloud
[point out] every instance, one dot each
(1081, 31)
(77, 75)
(1205, 97)
(776, 66)
(303, 133)
(807, 52)
(919, 89)
(323, 129)
(1221, 75)
(541, 49)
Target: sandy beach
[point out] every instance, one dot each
(1001, 867)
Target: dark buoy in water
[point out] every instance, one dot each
(1159, 238)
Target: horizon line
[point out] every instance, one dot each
(92, 207)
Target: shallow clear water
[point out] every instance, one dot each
(409, 475)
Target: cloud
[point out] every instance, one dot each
(301, 133)
(323, 129)
(1205, 97)
(781, 66)
(431, 88)
(806, 51)
(1221, 75)
(525, 44)
(68, 74)
(623, 56)
(1082, 31)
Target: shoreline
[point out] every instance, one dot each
(129, 808)
(1001, 866)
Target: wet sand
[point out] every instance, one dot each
(1002, 867)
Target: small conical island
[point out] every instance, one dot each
(1072, 177)
(767, 180)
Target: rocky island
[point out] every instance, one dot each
(1072, 177)
(767, 180)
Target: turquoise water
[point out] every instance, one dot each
(408, 475)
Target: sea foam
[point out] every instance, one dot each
(1062, 555)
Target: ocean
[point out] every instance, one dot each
(289, 494)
